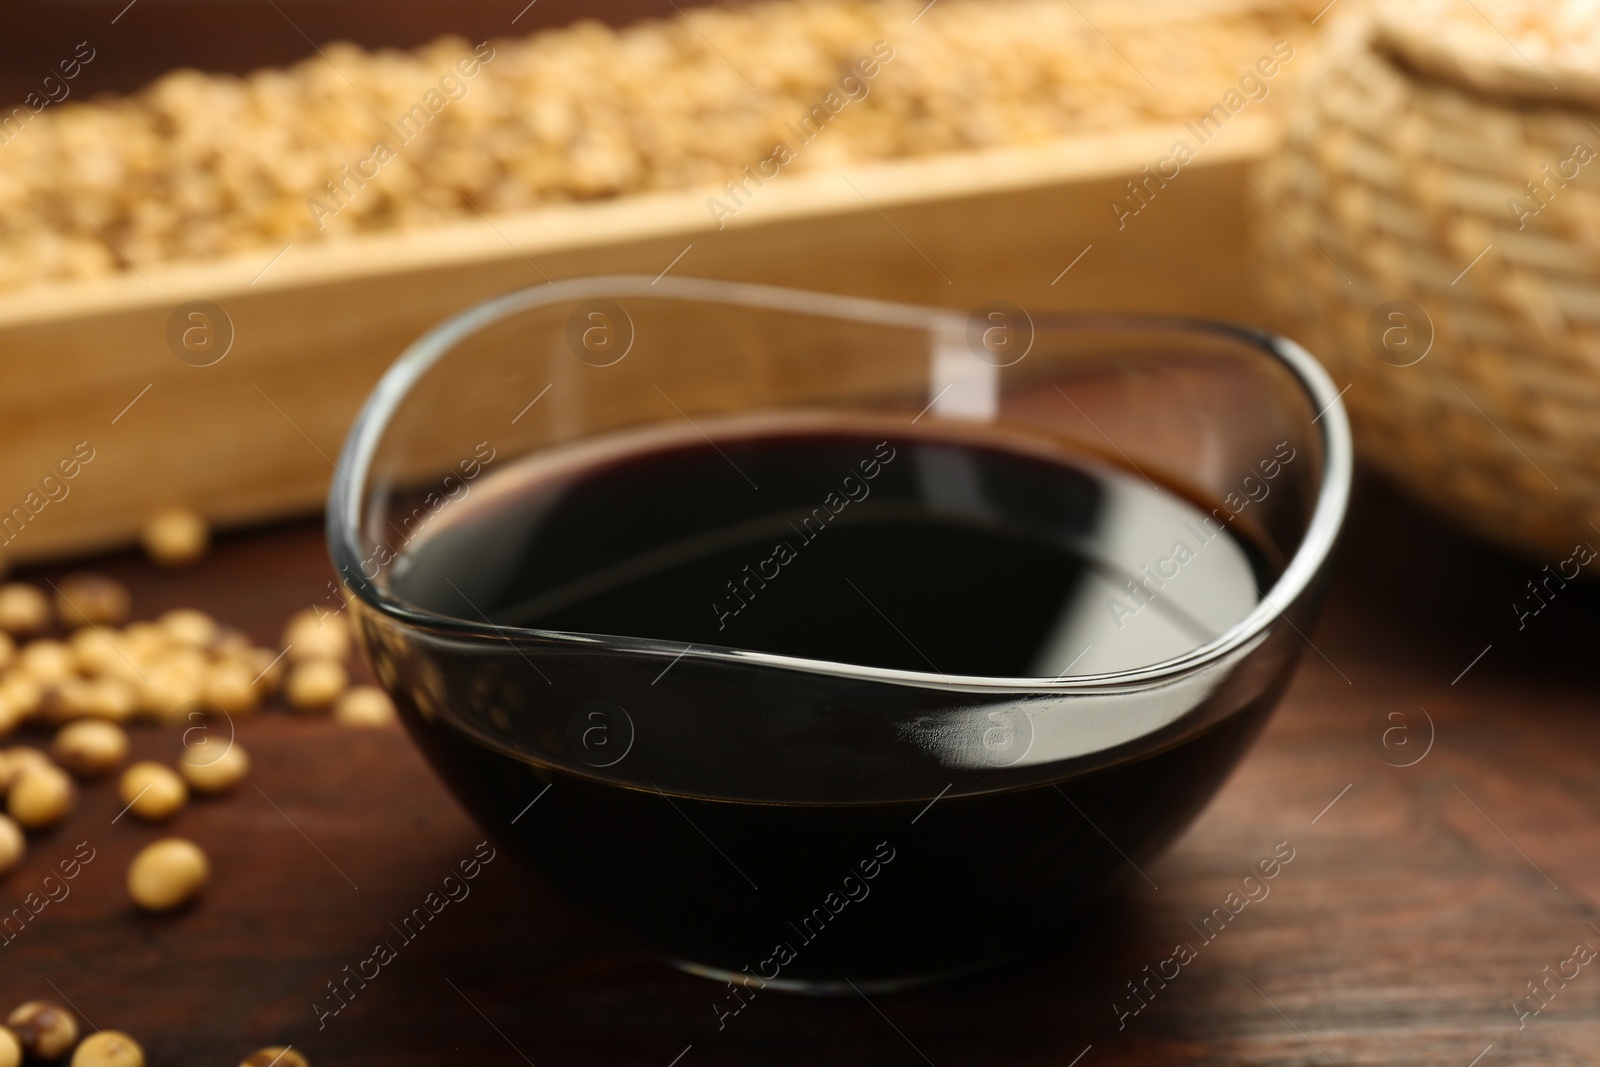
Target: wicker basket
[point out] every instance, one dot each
(1467, 327)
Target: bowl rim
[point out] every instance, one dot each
(366, 433)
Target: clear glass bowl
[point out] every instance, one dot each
(812, 823)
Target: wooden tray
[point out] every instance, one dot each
(253, 436)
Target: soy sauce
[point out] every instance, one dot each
(933, 552)
(913, 553)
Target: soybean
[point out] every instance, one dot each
(23, 609)
(108, 1048)
(214, 766)
(23, 758)
(96, 650)
(317, 634)
(167, 874)
(47, 661)
(365, 705)
(111, 699)
(315, 683)
(22, 692)
(91, 599)
(44, 1030)
(186, 626)
(267, 666)
(169, 688)
(176, 537)
(40, 797)
(229, 686)
(145, 640)
(91, 748)
(152, 791)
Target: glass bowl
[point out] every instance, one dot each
(823, 822)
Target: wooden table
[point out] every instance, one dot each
(1419, 903)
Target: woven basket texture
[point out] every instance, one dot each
(1432, 233)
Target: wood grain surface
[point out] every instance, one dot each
(1419, 903)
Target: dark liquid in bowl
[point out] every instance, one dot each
(926, 553)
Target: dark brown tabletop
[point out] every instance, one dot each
(1420, 902)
